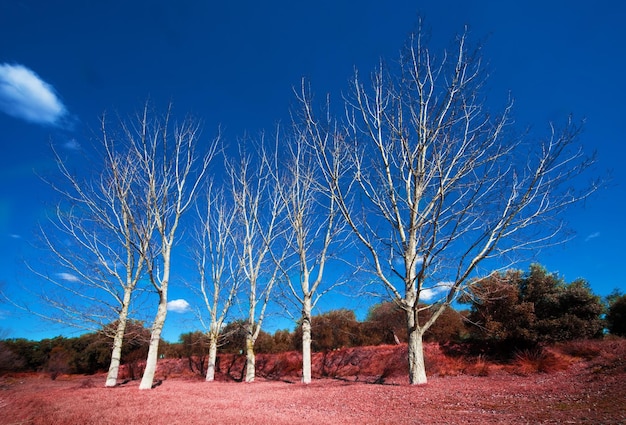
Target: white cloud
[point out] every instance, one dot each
(24, 95)
(178, 306)
(68, 276)
(437, 291)
(427, 294)
(592, 236)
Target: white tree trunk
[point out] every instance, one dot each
(210, 370)
(306, 341)
(153, 351)
(116, 354)
(250, 359)
(417, 367)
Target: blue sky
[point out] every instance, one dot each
(64, 63)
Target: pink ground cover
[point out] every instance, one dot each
(587, 391)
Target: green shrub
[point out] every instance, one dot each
(616, 315)
(517, 311)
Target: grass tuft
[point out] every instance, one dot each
(584, 349)
(480, 367)
(538, 360)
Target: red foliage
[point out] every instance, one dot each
(539, 361)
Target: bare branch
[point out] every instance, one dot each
(435, 185)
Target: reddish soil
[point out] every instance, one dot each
(571, 390)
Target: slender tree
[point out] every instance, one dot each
(259, 218)
(95, 237)
(435, 185)
(171, 171)
(312, 217)
(216, 258)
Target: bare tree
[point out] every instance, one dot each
(170, 170)
(259, 215)
(127, 221)
(312, 215)
(216, 258)
(95, 239)
(435, 185)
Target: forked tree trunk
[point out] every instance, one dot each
(116, 354)
(250, 359)
(210, 370)
(153, 350)
(306, 342)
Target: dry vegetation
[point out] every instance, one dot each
(575, 382)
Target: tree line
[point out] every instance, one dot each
(415, 182)
(513, 311)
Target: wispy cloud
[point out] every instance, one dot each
(24, 95)
(68, 277)
(178, 306)
(398, 262)
(72, 145)
(592, 236)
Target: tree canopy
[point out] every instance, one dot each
(616, 314)
(518, 309)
